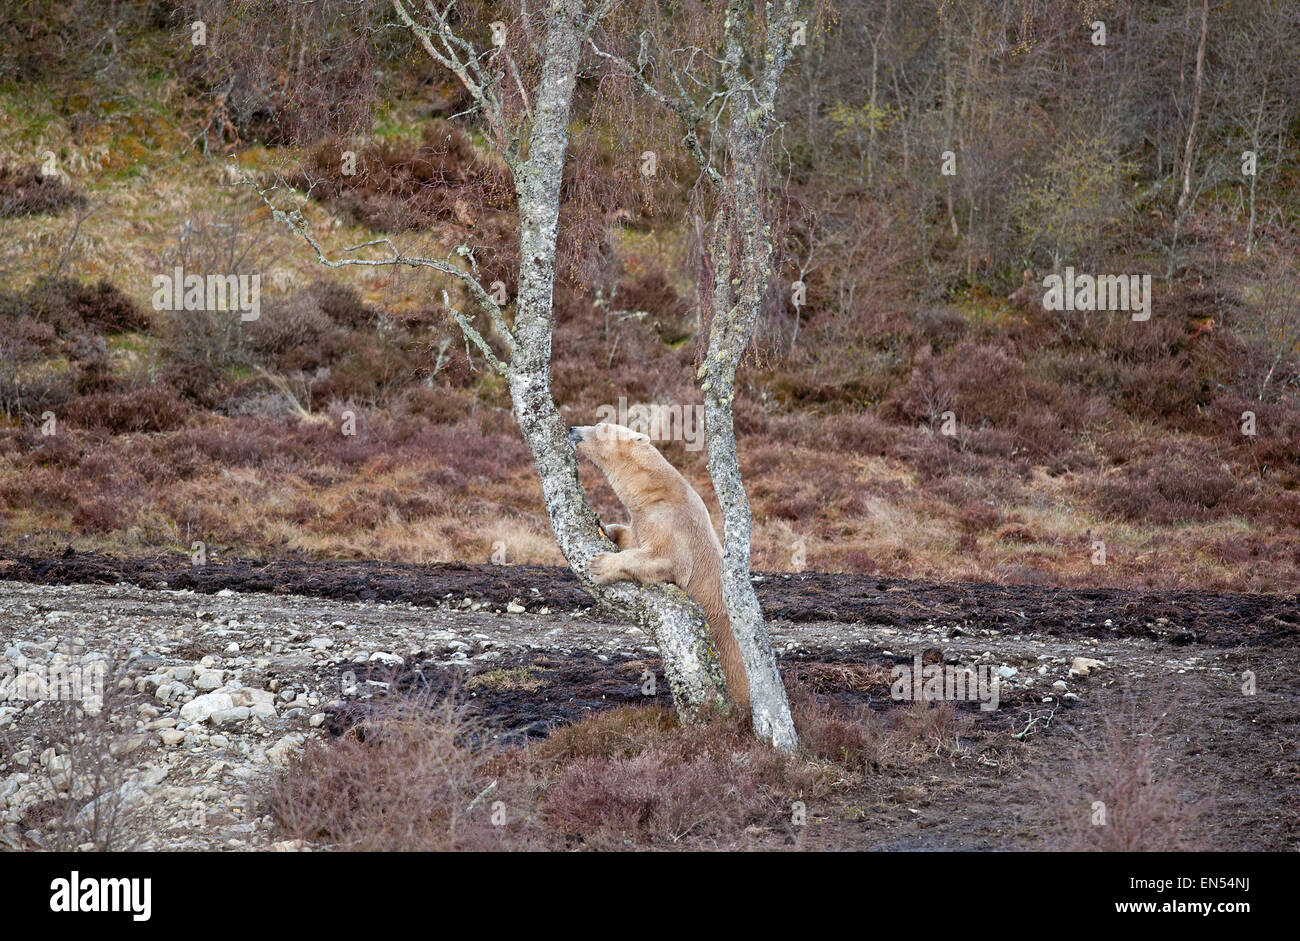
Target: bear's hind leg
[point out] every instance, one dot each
(621, 536)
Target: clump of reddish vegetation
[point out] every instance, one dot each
(408, 780)
(26, 191)
(53, 344)
(1174, 487)
(853, 739)
(420, 775)
(71, 310)
(634, 775)
(145, 409)
(397, 185)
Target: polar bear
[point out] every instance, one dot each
(670, 539)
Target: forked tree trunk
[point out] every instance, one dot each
(690, 664)
(672, 620)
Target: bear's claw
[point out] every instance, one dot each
(604, 568)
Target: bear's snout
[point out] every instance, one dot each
(575, 435)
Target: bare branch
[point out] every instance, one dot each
(474, 336)
(688, 112)
(296, 222)
(444, 52)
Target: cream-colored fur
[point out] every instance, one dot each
(670, 539)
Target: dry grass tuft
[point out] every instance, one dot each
(853, 740)
(1125, 793)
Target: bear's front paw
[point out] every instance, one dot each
(604, 568)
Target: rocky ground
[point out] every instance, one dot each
(208, 690)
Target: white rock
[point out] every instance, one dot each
(171, 737)
(283, 751)
(260, 701)
(1082, 666)
(208, 680)
(233, 714)
(153, 775)
(201, 708)
(321, 643)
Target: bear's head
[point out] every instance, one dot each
(633, 464)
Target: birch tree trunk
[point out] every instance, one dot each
(744, 235)
(1189, 151)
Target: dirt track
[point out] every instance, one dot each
(1179, 618)
(444, 625)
